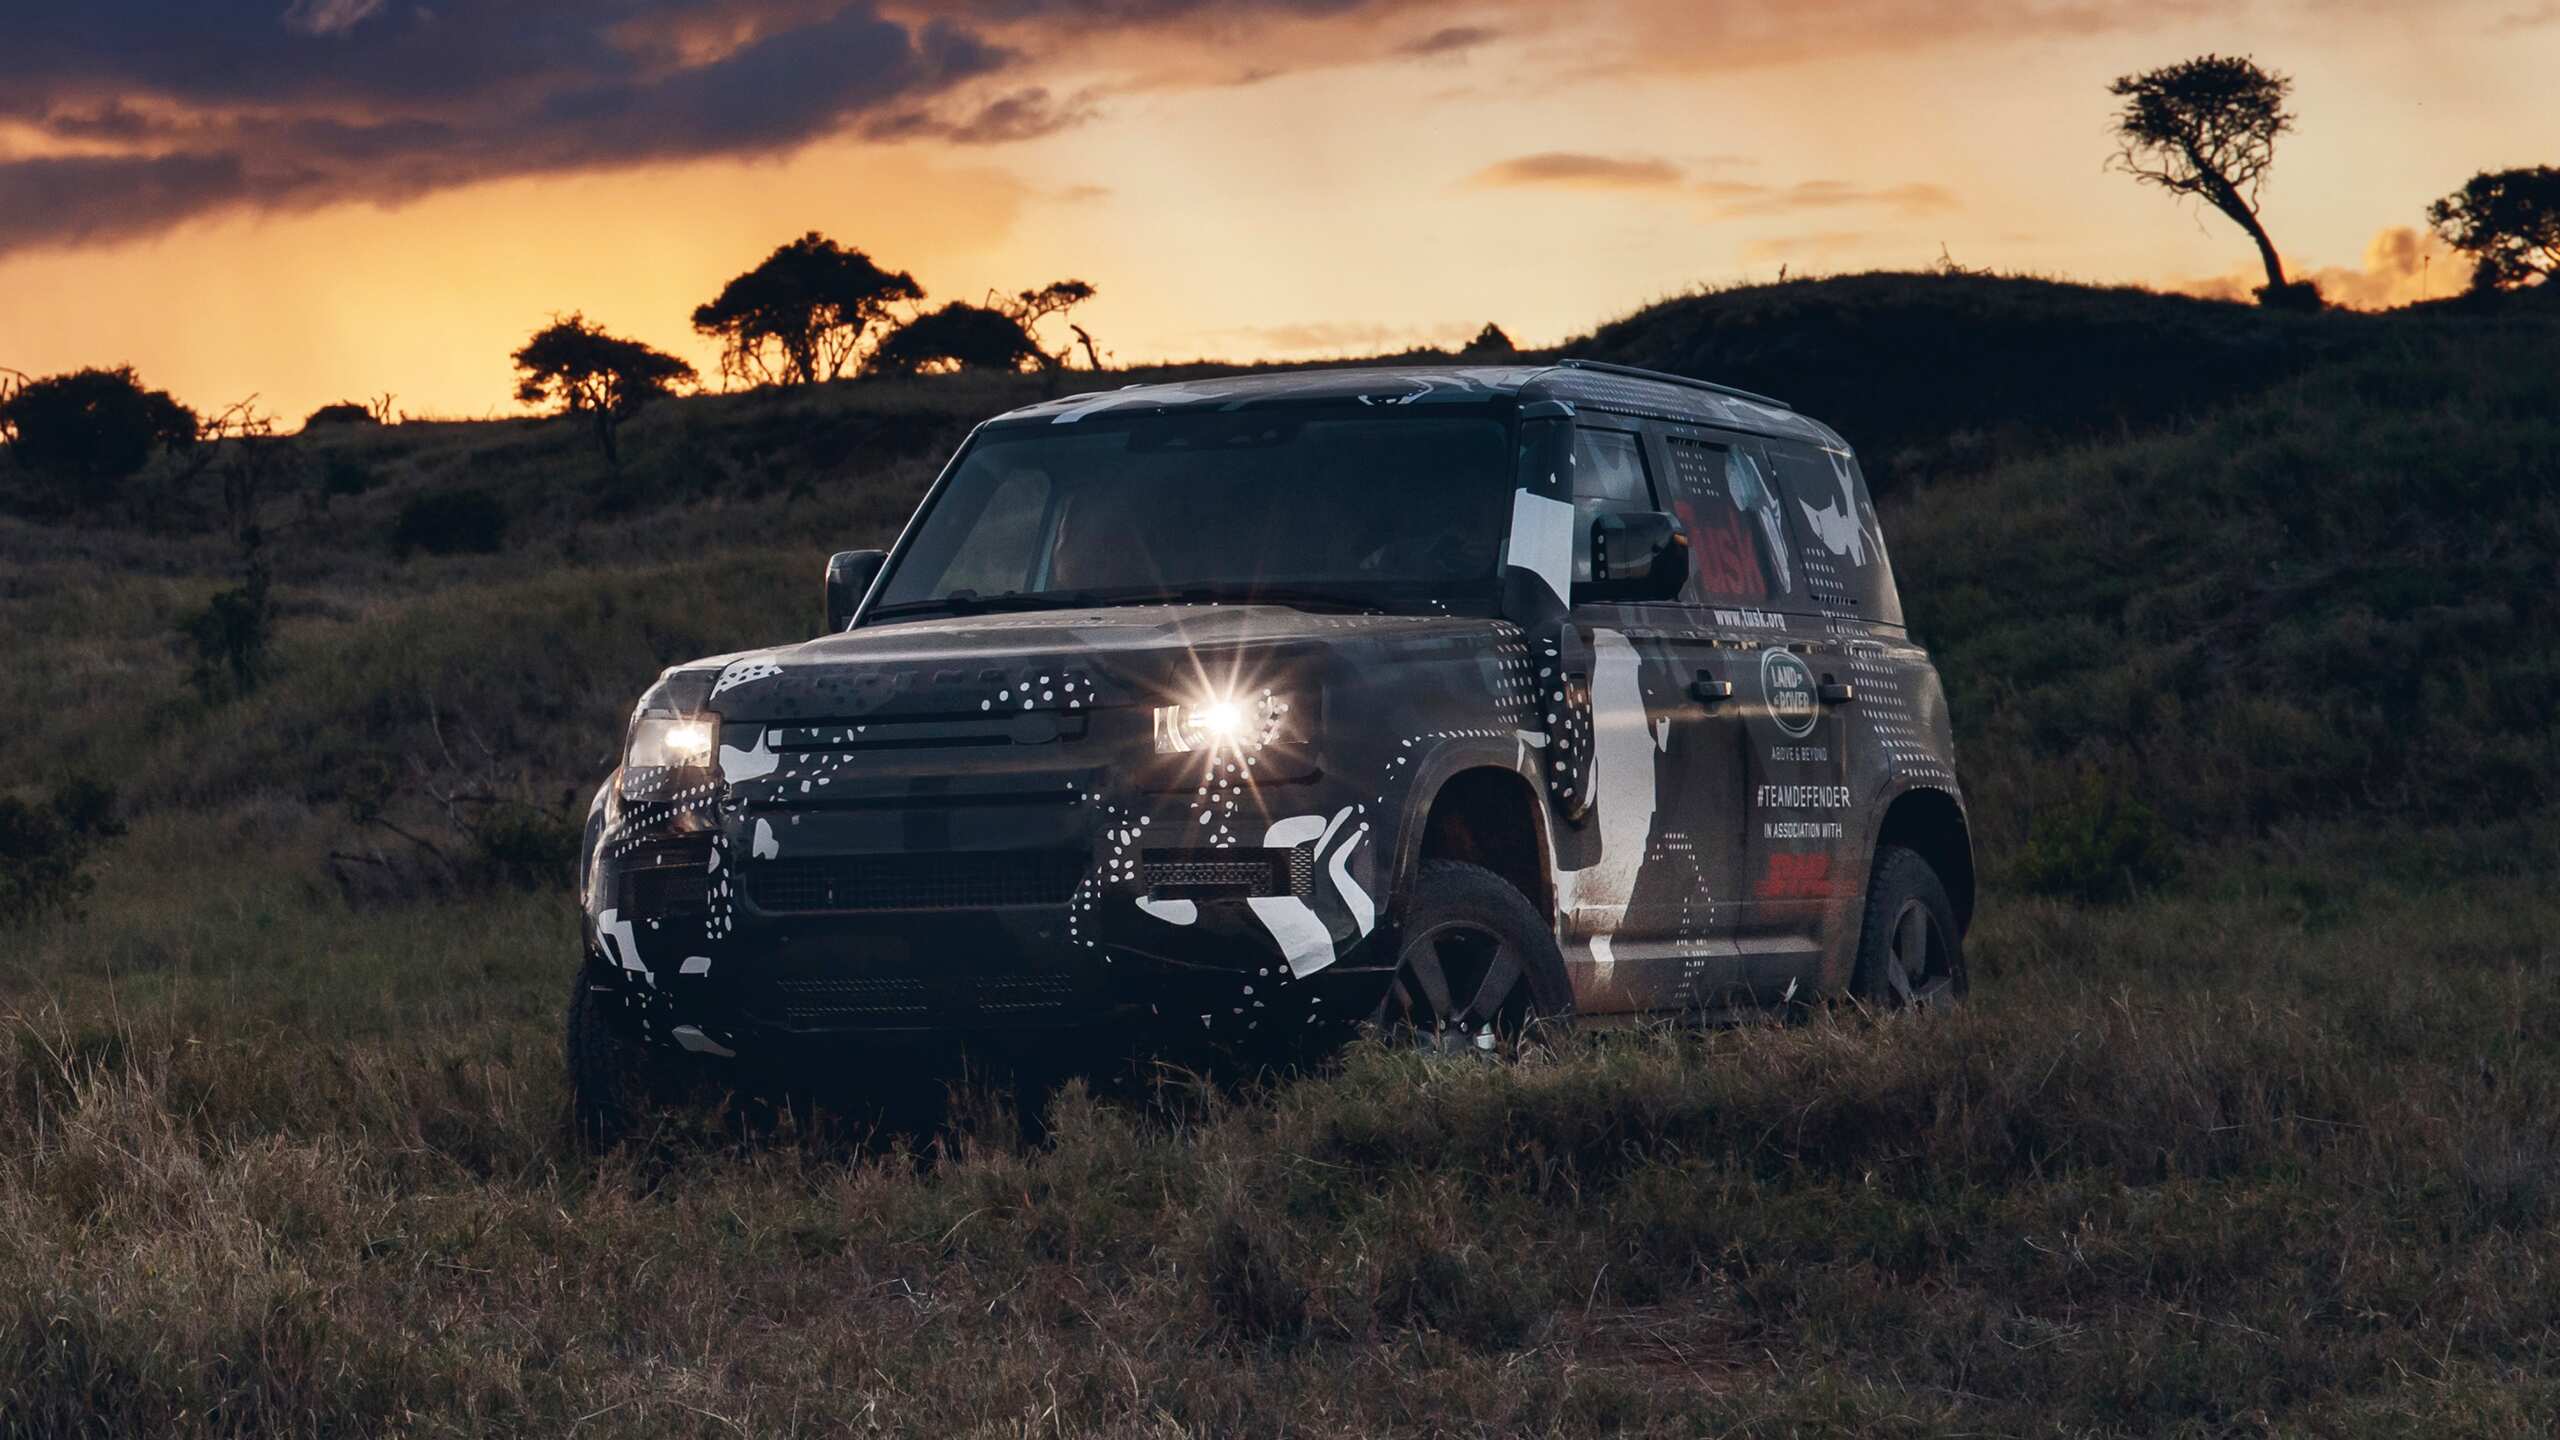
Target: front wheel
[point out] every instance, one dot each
(617, 1084)
(1910, 953)
(1477, 964)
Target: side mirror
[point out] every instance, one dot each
(1636, 557)
(849, 577)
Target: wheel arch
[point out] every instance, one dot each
(1931, 823)
(1478, 808)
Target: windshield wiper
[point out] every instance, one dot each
(970, 602)
(1302, 597)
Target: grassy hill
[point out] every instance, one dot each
(2248, 624)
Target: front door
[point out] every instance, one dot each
(1648, 871)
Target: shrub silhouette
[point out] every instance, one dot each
(79, 436)
(585, 371)
(800, 315)
(342, 412)
(2207, 127)
(451, 522)
(959, 336)
(2508, 222)
(1490, 344)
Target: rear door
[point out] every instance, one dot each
(1743, 585)
(1803, 687)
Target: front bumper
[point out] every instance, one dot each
(820, 900)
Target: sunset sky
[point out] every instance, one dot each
(316, 199)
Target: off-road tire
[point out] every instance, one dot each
(617, 1084)
(1456, 902)
(1904, 892)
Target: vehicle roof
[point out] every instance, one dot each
(1576, 385)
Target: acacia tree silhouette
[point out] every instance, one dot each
(799, 316)
(2207, 127)
(583, 370)
(1056, 298)
(2508, 222)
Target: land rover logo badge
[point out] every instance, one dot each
(1787, 686)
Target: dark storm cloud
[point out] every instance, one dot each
(1156, 12)
(100, 197)
(1025, 114)
(217, 104)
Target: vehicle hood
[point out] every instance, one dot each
(1062, 660)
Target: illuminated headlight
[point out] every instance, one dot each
(659, 741)
(1221, 722)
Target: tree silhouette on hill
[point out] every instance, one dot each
(585, 371)
(800, 315)
(1055, 299)
(2207, 127)
(2508, 222)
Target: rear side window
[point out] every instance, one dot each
(1609, 478)
(1839, 545)
(1738, 538)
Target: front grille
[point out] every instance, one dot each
(667, 893)
(1221, 874)
(953, 881)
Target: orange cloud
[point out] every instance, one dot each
(2401, 266)
(1563, 167)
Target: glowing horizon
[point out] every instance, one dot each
(1275, 180)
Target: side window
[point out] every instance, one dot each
(1738, 541)
(1609, 478)
(1840, 547)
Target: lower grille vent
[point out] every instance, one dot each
(876, 1000)
(816, 1002)
(1224, 874)
(956, 881)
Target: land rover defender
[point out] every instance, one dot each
(1436, 697)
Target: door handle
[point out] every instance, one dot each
(1834, 692)
(1709, 690)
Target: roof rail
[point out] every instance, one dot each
(1667, 378)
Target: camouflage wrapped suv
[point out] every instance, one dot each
(1236, 707)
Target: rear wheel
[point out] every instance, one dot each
(1477, 965)
(1910, 953)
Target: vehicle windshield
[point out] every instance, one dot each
(1333, 507)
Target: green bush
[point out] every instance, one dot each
(451, 522)
(228, 639)
(346, 475)
(43, 848)
(2102, 844)
(526, 846)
